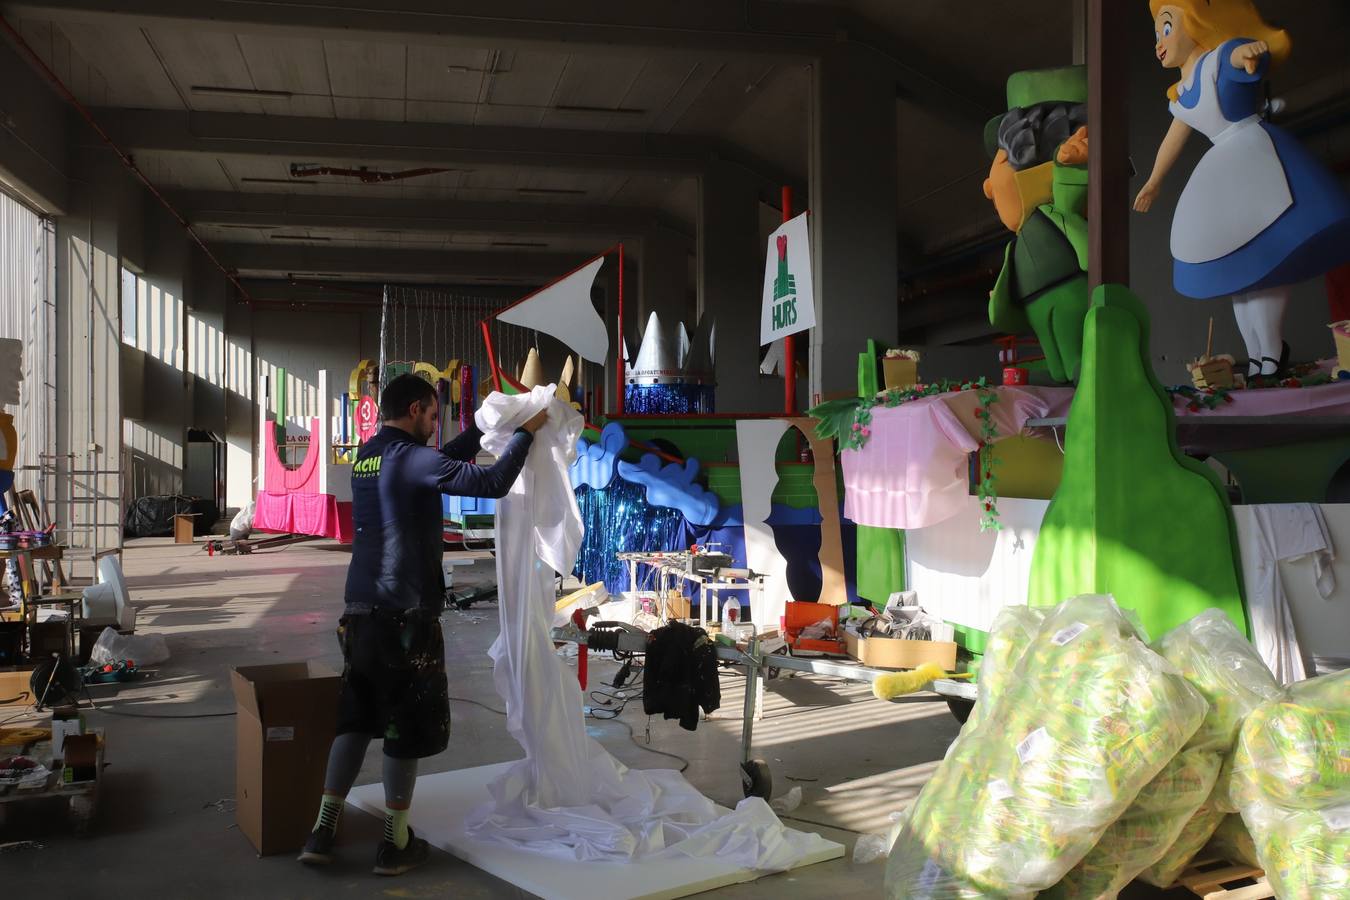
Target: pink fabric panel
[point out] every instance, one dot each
(304, 479)
(317, 514)
(1323, 400)
(913, 473)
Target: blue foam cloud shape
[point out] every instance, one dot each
(673, 486)
(595, 462)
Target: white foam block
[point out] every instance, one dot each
(445, 800)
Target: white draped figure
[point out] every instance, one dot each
(568, 797)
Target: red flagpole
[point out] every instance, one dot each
(492, 356)
(619, 378)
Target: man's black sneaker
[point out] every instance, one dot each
(390, 860)
(319, 848)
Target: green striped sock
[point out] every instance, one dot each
(330, 809)
(396, 827)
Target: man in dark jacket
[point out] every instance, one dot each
(393, 680)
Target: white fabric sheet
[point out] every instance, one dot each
(756, 446)
(1269, 534)
(569, 798)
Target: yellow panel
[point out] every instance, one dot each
(1028, 467)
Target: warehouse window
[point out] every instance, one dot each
(129, 307)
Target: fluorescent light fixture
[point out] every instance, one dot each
(563, 192)
(299, 181)
(618, 110)
(251, 93)
(297, 237)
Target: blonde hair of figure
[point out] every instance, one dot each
(1211, 22)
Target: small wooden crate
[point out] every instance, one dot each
(183, 527)
(1217, 879)
(1341, 332)
(899, 372)
(1213, 373)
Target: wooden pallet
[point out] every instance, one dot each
(1218, 879)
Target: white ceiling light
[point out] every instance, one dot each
(619, 110)
(252, 93)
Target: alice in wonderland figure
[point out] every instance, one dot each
(1259, 212)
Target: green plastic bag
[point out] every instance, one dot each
(1012, 632)
(1233, 842)
(1089, 716)
(1173, 817)
(1291, 778)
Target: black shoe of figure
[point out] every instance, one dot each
(319, 848)
(390, 860)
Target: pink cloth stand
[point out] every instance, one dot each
(912, 473)
(291, 503)
(317, 514)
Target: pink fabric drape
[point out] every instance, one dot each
(317, 514)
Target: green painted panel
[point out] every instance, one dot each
(881, 563)
(1133, 516)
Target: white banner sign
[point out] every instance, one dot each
(789, 300)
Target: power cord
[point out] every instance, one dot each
(131, 715)
(491, 709)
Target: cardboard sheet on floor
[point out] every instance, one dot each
(443, 803)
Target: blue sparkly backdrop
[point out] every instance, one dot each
(669, 399)
(619, 519)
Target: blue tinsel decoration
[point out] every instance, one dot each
(616, 520)
(669, 399)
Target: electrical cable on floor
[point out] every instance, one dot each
(491, 709)
(131, 715)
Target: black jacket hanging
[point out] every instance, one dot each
(681, 674)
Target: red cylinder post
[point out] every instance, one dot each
(579, 619)
(619, 378)
(491, 355)
(789, 342)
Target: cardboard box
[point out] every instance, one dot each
(15, 690)
(287, 717)
(899, 372)
(677, 605)
(891, 653)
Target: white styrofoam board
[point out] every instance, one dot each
(444, 801)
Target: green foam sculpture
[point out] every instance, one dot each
(1133, 516)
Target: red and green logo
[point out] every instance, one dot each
(784, 290)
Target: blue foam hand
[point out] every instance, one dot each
(594, 466)
(673, 486)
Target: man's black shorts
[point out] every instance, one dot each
(393, 682)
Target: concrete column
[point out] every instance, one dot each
(730, 276)
(663, 271)
(241, 380)
(105, 227)
(853, 215)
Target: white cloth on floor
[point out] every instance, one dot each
(569, 797)
(1271, 533)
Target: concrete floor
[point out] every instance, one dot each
(165, 825)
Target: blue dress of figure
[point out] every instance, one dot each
(1259, 210)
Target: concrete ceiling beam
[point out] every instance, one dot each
(380, 213)
(315, 140)
(445, 266)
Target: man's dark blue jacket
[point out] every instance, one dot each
(396, 513)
